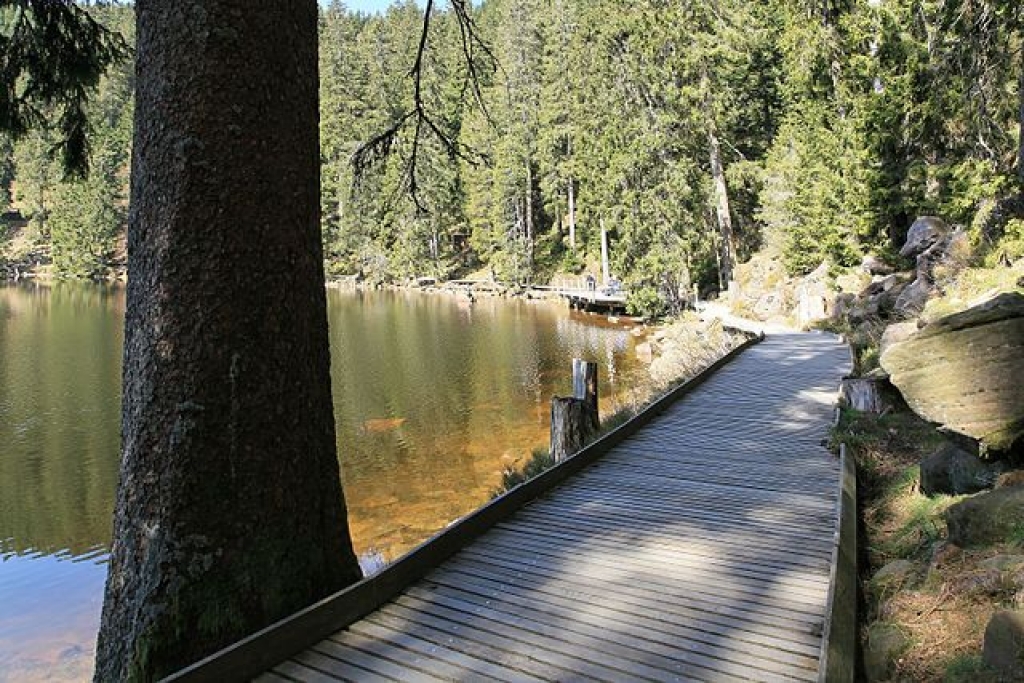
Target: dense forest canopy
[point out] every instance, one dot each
(692, 132)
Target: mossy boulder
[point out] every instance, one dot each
(1004, 643)
(952, 470)
(893, 575)
(885, 643)
(966, 371)
(987, 518)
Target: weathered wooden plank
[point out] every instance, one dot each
(768, 615)
(733, 632)
(766, 553)
(803, 500)
(594, 619)
(566, 639)
(683, 554)
(502, 637)
(326, 668)
(271, 677)
(374, 662)
(681, 570)
(771, 602)
(463, 665)
(634, 490)
(457, 638)
(403, 650)
(698, 525)
(626, 503)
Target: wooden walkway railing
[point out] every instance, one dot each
(697, 544)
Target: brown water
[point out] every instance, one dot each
(433, 398)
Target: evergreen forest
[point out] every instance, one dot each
(691, 133)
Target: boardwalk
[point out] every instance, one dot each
(699, 548)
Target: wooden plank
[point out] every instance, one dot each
(635, 490)
(770, 601)
(326, 668)
(804, 500)
(562, 639)
(765, 553)
(664, 618)
(626, 503)
(681, 570)
(659, 466)
(637, 627)
(603, 583)
(703, 527)
(458, 638)
(720, 507)
(464, 665)
(619, 639)
(375, 662)
(683, 554)
(405, 651)
(271, 677)
(502, 637)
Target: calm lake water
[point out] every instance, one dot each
(434, 396)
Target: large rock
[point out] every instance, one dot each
(896, 333)
(925, 232)
(885, 643)
(987, 518)
(966, 371)
(1004, 643)
(952, 470)
(928, 241)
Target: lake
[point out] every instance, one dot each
(434, 396)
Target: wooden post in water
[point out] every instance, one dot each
(584, 382)
(574, 420)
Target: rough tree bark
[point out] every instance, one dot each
(229, 513)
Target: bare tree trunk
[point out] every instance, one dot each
(722, 209)
(1020, 122)
(605, 273)
(529, 218)
(229, 513)
(572, 214)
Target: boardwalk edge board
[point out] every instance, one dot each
(268, 647)
(839, 640)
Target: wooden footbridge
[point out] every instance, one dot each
(698, 542)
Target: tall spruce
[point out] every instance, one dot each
(229, 510)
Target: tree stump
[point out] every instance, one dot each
(866, 394)
(573, 425)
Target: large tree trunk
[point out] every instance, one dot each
(229, 511)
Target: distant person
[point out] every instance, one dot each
(591, 282)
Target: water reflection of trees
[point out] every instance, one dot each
(60, 401)
(471, 396)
